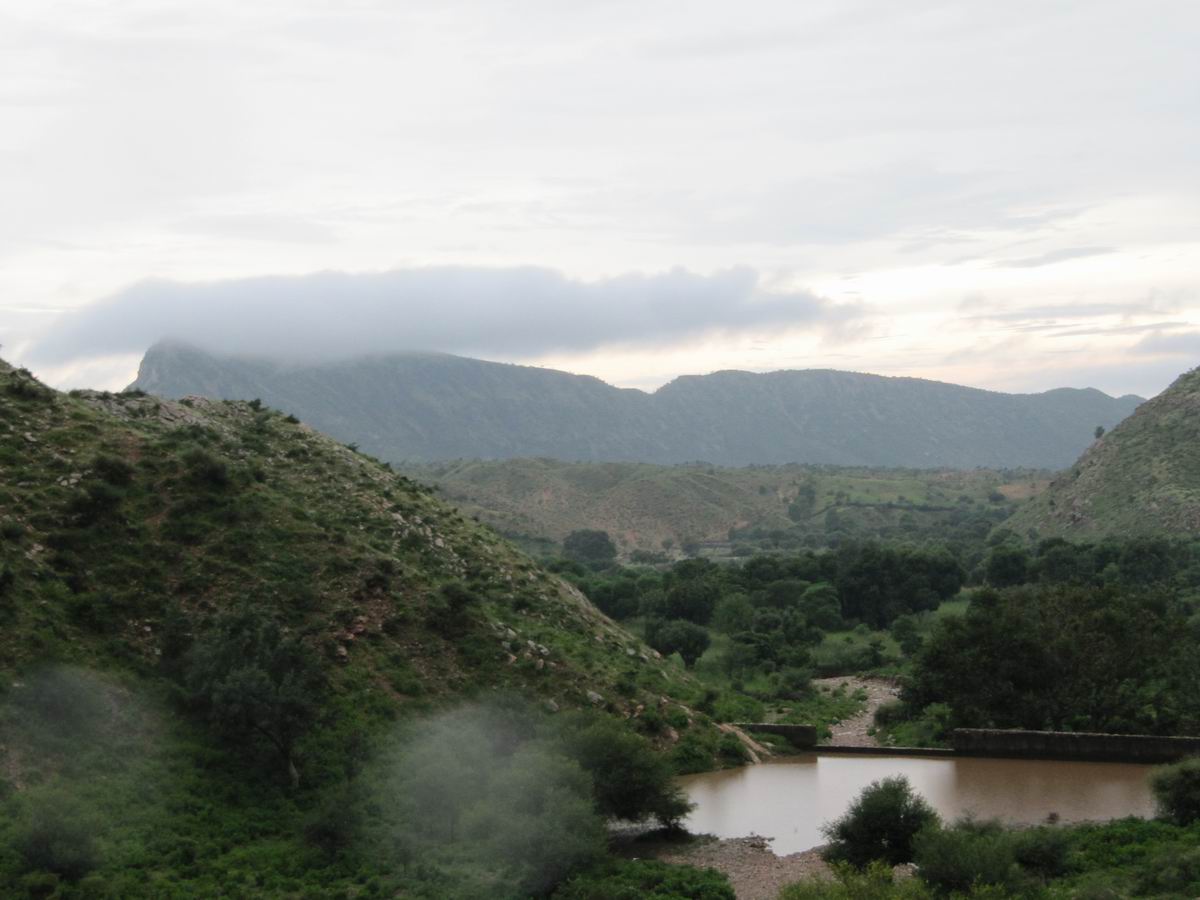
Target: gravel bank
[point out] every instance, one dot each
(754, 871)
(853, 731)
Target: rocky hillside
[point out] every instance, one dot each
(422, 407)
(1143, 477)
(132, 527)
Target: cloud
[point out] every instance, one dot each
(1041, 314)
(258, 228)
(1185, 343)
(1121, 329)
(910, 201)
(1054, 256)
(486, 311)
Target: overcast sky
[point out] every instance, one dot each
(1004, 195)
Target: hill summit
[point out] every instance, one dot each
(426, 407)
(1142, 477)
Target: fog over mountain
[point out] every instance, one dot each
(436, 406)
(517, 310)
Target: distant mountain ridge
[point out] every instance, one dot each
(424, 407)
(1143, 477)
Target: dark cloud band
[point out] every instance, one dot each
(512, 311)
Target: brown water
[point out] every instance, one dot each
(790, 799)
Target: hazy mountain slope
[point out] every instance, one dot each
(649, 507)
(430, 407)
(1141, 477)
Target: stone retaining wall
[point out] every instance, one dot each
(802, 736)
(1136, 748)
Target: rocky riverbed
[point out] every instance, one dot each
(755, 872)
(855, 731)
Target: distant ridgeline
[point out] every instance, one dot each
(424, 407)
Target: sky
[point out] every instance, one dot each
(1004, 195)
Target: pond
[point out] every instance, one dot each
(790, 799)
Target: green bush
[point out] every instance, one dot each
(205, 469)
(333, 825)
(873, 883)
(693, 754)
(113, 470)
(967, 855)
(97, 500)
(635, 879)
(1043, 851)
(1177, 791)
(892, 712)
(1175, 872)
(57, 837)
(880, 825)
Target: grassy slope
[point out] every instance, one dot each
(643, 505)
(227, 504)
(1142, 477)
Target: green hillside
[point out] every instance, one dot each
(429, 407)
(214, 619)
(665, 508)
(1143, 477)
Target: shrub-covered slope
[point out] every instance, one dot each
(1143, 477)
(421, 407)
(212, 618)
(124, 515)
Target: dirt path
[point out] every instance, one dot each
(853, 731)
(754, 871)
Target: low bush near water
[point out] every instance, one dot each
(880, 825)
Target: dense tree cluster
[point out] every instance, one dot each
(1065, 657)
(774, 608)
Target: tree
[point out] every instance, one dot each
(693, 600)
(589, 546)
(1099, 432)
(1063, 657)
(907, 633)
(1007, 565)
(733, 613)
(630, 780)
(678, 636)
(255, 681)
(821, 606)
(880, 825)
